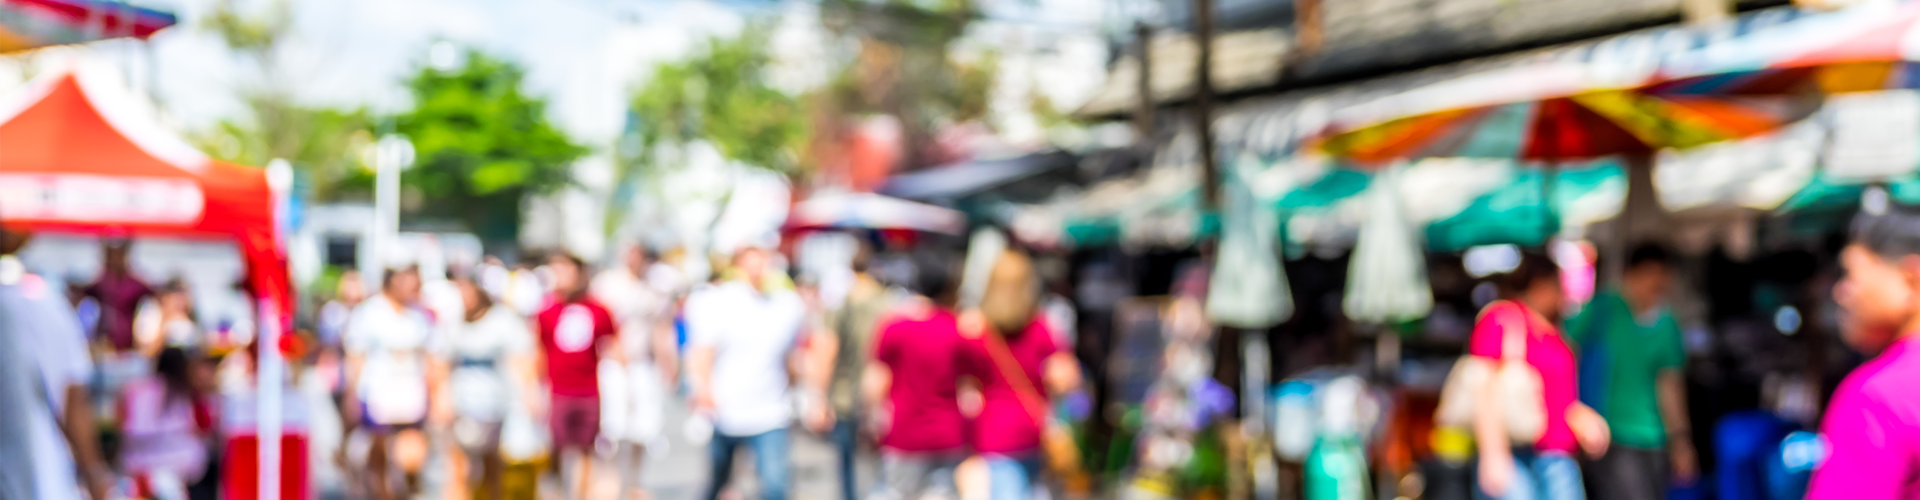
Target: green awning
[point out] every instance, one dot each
(1337, 185)
(1514, 214)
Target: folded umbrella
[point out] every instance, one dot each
(1387, 278)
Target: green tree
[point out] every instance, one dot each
(482, 145)
(720, 95)
(321, 143)
(905, 66)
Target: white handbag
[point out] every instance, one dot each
(521, 438)
(1524, 412)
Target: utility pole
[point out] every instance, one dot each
(1203, 103)
(1143, 90)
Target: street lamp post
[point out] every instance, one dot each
(391, 155)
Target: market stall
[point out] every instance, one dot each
(80, 154)
(76, 155)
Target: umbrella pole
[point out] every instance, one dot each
(1549, 222)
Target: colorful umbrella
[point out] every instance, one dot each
(1865, 48)
(872, 211)
(1553, 112)
(30, 24)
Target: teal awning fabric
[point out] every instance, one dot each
(1337, 185)
(1153, 220)
(1092, 231)
(1514, 213)
(1825, 193)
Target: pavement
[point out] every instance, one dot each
(680, 470)
(681, 473)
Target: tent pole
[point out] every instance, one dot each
(1203, 105)
(270, 391)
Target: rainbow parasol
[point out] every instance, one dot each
(1875, 46)
(1553, 112)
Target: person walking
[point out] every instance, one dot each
(644, 312)
(846, 344)
(744, 335)
(1524, 325)
(387, 342)
(575, 334)
(1872, 424)
(1012, 352)
(171, 323)
(486, 360)
(65, 457)
(166, 424)
(119, 293)
(18, 386)
(914, 373)
(334, 315)
(1631, 372)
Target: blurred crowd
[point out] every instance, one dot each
(537, 380)
(543, 379)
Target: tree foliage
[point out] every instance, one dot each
(721, 95)
(906, 67)
(321, 143)
(481, 145)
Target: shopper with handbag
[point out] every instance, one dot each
(1519, 382)
(1011, 351)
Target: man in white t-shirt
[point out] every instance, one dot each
(644, 313)
(387, 343)
(63, 439)
(17, 383)
(743, 335)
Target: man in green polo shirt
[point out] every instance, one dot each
(1631, 371)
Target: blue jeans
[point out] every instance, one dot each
(1012, 476)
(1541, 476)
(770, 461)
(845, 432)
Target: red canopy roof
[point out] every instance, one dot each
(77, 153)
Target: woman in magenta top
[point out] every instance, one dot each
(1872, 425)
(1014, 406)
(1011, 352)
(1545, 469)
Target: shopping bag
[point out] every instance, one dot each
(1524, 413)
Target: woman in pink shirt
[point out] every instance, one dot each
(1872, 425)
(1545, 469)
(1010, 350)
(914, 376)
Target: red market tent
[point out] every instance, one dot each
(78, 153)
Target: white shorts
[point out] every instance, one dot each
(632, 402)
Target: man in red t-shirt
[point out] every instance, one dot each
(575, 332)
(915, 367)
